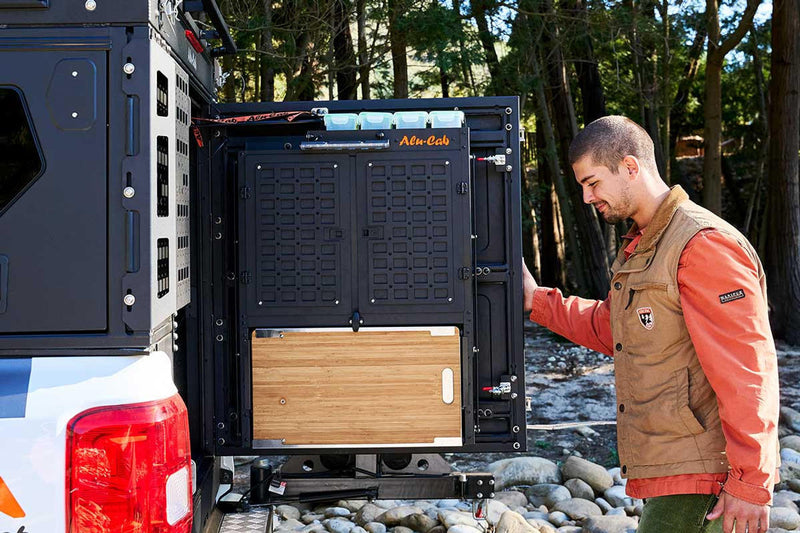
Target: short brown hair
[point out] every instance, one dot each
(609, 139)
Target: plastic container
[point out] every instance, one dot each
(371, 120)
(341, 121)
(447, 119)
(404, 120)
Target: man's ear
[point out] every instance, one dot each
(631, 165)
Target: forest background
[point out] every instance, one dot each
(716, 85)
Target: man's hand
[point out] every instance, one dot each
(529, 285)
(748, 517)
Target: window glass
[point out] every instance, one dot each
(20, 162)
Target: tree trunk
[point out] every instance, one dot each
(755, 197)
(783, 256)
(363, 60)
(712, 131)
(444, 82)
(479, 9)
(593, 99)
(397, 38)
(229, 89)
(551, 246)
(345, 59)
(666, 59)
(591, 257)
(677, 114)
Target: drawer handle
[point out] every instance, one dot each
(447, 386)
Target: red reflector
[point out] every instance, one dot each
(194, 41)
(129, 469)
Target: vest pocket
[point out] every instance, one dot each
(685, 412)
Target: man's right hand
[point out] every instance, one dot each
(529, 286)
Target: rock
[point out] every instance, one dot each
(603, 505)
(358, 529)
(558, 519)
(512, 522)
(493, 510)
(794, 484)
(547, 494)
(387, 504)
(352, 505)
(438, 529)
(333, 512)
(288, 512)
(452, 518)
(368, 513)
(616, 475)
(339, 525)
(617, 511)
(542, 525)
(419, 522)
(524, 471)
(789, 471)
(791, 442)
(790, 455)
(535, 515)
(784, 518)
(594, 475)
(512, 498)
(586, 431)
(313, 528)
(569, 529)
(447, 504)
(374, 527)
(578, 488)
(463, 528)
(290, 524)
(577, 508)
(311, 518)
(432, 512)
(610, 524)
(401, 529)
(392, 517)
(785, 499)
(520, 510)
(616, 496)
(791, 418)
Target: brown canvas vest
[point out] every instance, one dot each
(667, 415)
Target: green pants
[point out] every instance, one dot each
(681, 513)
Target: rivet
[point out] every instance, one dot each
(515, 429)
(509, 168)
(479, 495)
(372, 301)
(74, 73)
(128, 192)
(129, 299)
(219, 322)
(74, 114)
(220, 338)
(508, 111)
(258, 167)
(260, 302)
(128, 68)
(220, 441)
(516, 446)
(336, 302)
(218, 236)
(283, 401)
(335, 165)
(175, 348)
(480, 482)
(369, 164)
(447, 163)
(90, 5)
(508, 151)
(449, 299)
(508, 127)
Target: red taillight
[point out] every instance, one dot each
(194, 41)
(129, 469)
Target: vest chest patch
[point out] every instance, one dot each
(645, 317)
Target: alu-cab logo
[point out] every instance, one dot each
(8, 503)
(430, 140)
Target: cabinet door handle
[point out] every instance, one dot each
(3, 283)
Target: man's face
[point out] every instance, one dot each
(609, 193)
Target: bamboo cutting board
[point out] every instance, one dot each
(372, 387)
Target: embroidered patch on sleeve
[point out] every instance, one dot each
(738, 294)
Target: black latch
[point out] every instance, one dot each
(245, 193)
(463, 187)
(464, 273)
(356, 321)
(245, 277)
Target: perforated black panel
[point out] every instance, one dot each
(410, 231)
(297, 235)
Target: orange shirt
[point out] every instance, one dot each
(734, 346)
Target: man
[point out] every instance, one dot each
(686, 322)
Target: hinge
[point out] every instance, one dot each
(245, 277)
(463, 187)
(244, 193)
(464, 273)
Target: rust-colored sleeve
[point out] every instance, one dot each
(726, 315)
(584, 322)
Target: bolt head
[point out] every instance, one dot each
(480, 482)
(128, 68)
(90, 5)
(508, 151)
(175, 348)
(509, 168)
(479, 495)
(129, 299)
(128, 192)
(491, 482)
